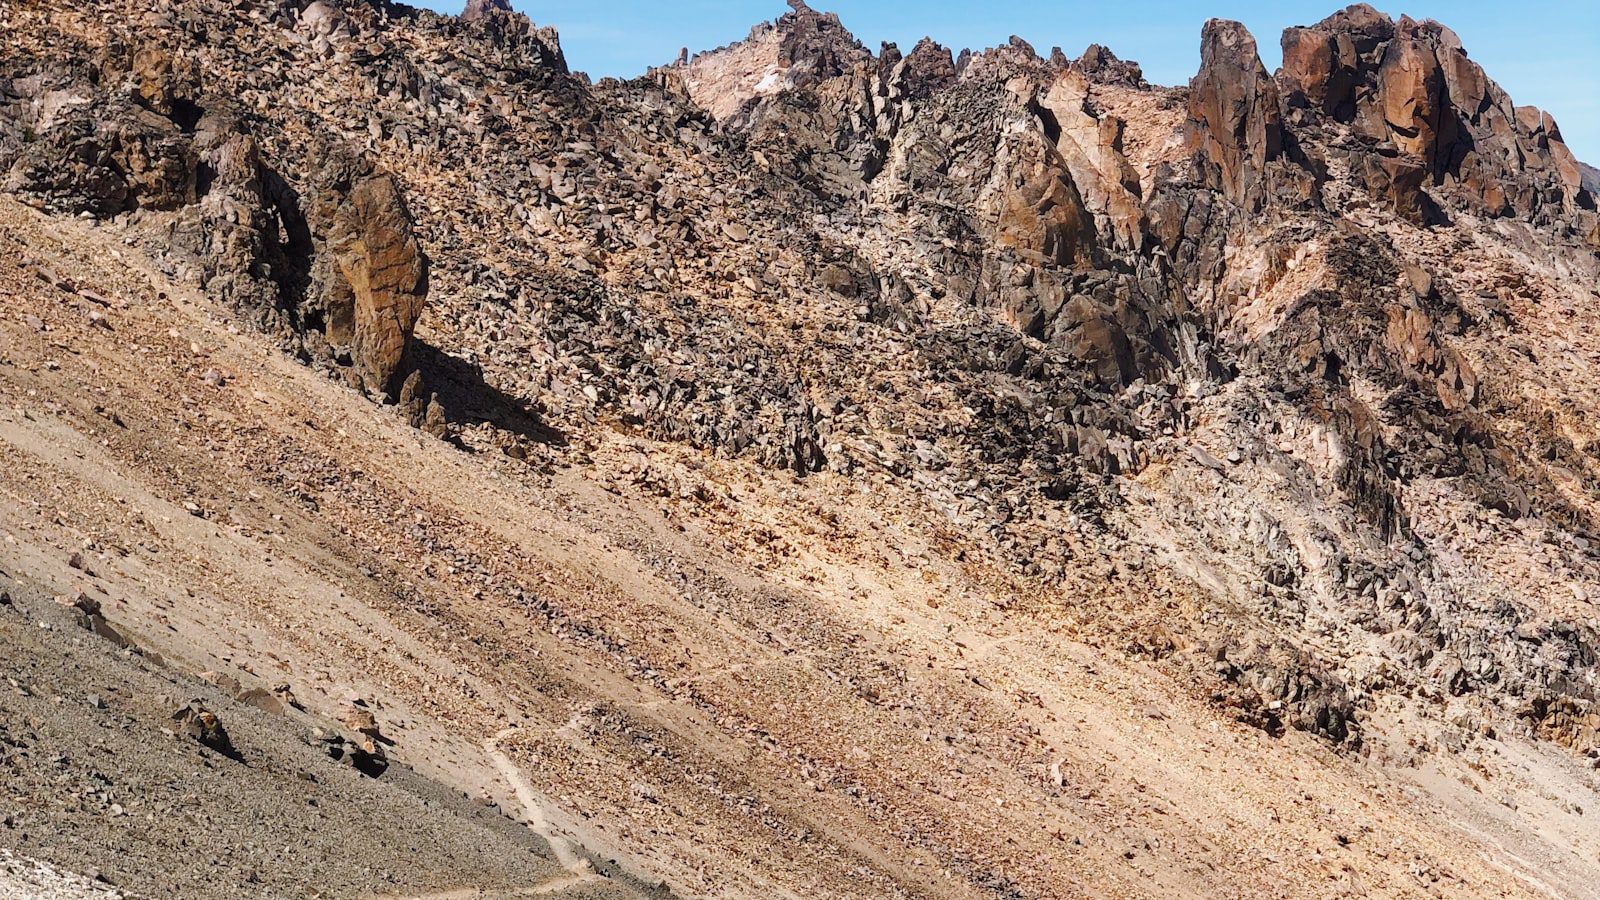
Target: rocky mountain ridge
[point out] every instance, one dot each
(1276, 382)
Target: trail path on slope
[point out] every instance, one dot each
(534, 814)
(534, 809)
(553, 886)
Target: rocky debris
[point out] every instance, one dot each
(196, 722)
(330, 262)
(36, 880)
(264, 700)
(86, 611)
(1277, 687)
(364, 753)
(89, 161)
(424, 412)
(99, 780)
(1174, 370)
(278, 700)
(998, 284)
(358, 718)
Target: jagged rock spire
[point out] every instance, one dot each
(477, 9)
(1410, 84)
(1234, 118)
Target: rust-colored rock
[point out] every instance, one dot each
(164, 82)
(375, 275)
(1323, 63)
(1410, 85)
(1038, 209)
(1235, 123)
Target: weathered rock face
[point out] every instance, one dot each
(1037, 209)
(1409, 85)
(104, 161)
(802, 48)
(1323, 64)
(1012, 280)
(539, 48)
(373, 276)
(1236, 124)
(478, 9)
(332, 265)
(1090, 144)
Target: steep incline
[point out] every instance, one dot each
(817, 472)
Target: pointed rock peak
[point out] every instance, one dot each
(1358, 18)
(1227, 40)
(926, 68)
(799, 49)
(1323, 63)
(1234, 119)
(1103, 66)
(807, 31)
(930, 50)
(478, 9)
(1013, 58)
(1429, 31)
(505, 26)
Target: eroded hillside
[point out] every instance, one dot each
(805, 471)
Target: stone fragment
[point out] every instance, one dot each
(196, 722)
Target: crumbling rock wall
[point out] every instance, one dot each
(331, 264)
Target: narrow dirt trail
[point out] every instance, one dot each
(543, 889)
(533, 809)
(579, 871)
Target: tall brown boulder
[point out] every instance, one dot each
(1235, 122)
(373, 275)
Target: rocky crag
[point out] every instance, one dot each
(1279, 384)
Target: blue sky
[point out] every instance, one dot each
(1543, 52)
